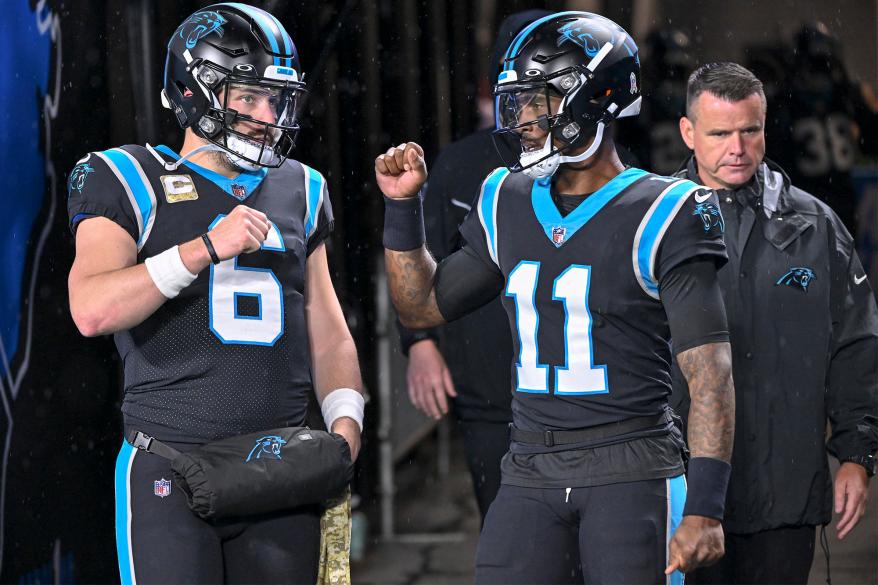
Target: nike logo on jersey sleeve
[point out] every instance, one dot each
(702, 198)
(859, 279)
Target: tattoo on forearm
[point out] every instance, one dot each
(410, 277)
(708, 371)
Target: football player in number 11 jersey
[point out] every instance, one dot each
(598, 266)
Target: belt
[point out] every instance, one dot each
(146, 443)
(591, 434)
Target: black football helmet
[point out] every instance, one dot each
(233, 76)
(586, 61)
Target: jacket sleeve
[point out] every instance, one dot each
(852, 394)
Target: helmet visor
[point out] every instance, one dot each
(258, 119)
(262, 102)
(519, 107)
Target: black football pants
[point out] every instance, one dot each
(485, 443)
(160, 540)
(609, 534)
(778, 557)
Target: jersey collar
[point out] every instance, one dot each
(241, 187)
(560, 229)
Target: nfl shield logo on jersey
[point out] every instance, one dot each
(239, 191)
(162, 487)
(558, 234)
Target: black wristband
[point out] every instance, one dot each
(210, 249)
(403, 224)
(408, 338)
(707, 482)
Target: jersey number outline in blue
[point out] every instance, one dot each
(579, 375)
(229, 282)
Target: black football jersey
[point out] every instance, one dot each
(582, 292)
(230, 354)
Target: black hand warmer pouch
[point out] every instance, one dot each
(258, 473)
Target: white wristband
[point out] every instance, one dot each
(343, 402)
(168, 272)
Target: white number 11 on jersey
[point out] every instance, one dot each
(578, 375)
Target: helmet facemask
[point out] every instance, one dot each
(554, 104)
(252, 118)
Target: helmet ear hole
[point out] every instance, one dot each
(183, 89)
(602, 97)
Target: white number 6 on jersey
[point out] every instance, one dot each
(229, 283)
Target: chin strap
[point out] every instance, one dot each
(239, 148)
(268, 157)
(543, 163)
(173, 166)
(548, 163)
(589, 152)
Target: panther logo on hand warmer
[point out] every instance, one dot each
(269, 445)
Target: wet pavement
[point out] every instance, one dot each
(438, 524)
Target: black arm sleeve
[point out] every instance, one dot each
(693, 301)
(464, 282)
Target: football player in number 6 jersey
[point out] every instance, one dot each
(598, 266)
(209, 267)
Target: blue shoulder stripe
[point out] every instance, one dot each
(487, 207)
(137, 187)
(314, 188)
(652, 229)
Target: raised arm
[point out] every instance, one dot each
(400, 173)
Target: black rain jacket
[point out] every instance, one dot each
(804, 334)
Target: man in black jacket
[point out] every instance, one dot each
(804, 332)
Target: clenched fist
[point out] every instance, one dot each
(401, 171)
(240, 232)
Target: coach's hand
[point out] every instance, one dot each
(401, 171)
(698, 542)
(851, 489)
(240, 232)
(350, 430)
(428, 378)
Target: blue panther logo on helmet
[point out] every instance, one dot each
(710, 216)
(78, 176)
(575, 34)
(199, 25)
(269, 446)
(798, 277)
